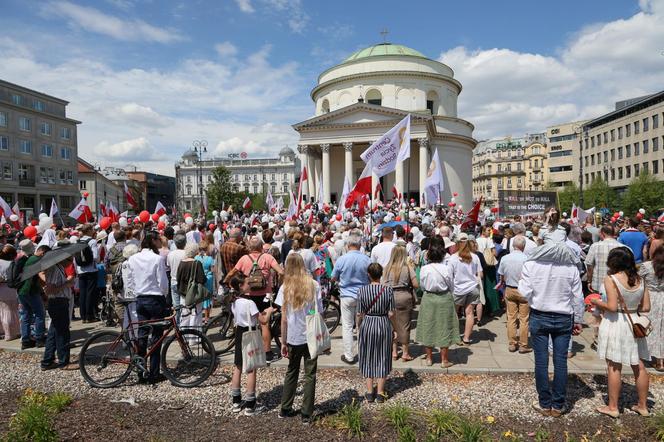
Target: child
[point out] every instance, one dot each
(244, 310)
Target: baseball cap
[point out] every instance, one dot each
(27, 246)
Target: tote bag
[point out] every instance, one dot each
(253, 355)
(318, 336)
(196, 292)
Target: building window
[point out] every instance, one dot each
(606, 137)
(620, 132)
(285, 176)
(655, 144)
(246, 177)
(509, 167)
(274, 188)
(636, 149)
(606, 156)
(285, 187)
(43, 176)
(613, 174)
(613, 135)
(628, 130)
(188, 190)
(3, 119)
(655, 121)
(63, 177)
(45, 129)
(620, 173)
(587, 179)
(592, 159)
(518, 167)
(4, 143)
(246, 188)
(613, 154)
(628, 151)
(51, 175)
(645, 146)
(7, 171)
(22, 172)
(65, 133)
(599, 139)
(82, 184)
(636, 170)
(274, 176)
(255, 177)
(374, 97)
(24, 124)
(586, 160)
(65, 153)
(17, 99)
(592, 141)
(38, 105)
(47, 150)
(628, 172)
(636, 131)
(25, 146)
(655, 167)
(645, 124)
(70, 177)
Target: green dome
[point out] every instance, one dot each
(383, 49)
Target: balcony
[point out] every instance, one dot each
(26, 182)
(500, 173)
(537, 169)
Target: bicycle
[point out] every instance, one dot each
(107, 311)
(108, 357)
(220, 329)
(331, 308)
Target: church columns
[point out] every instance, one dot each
(424, 151)
(307, 161)
(348, 162)
(325, 149)
(311, 175)
(398, 178)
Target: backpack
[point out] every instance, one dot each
(117, 284)
(115, 259)
(14, 273)
(85, 257)
(256, 279)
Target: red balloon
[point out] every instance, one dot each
(639, 216)
(338, 217)
(455, 194)
(86, 194)
(144, 216)
(105, 222)
(155, 217)
(616, 215)
(30, 231)
(161, 225)
(212, 226)
(613, 219)
(136, 220)
(34, 222)
(412, 200)
(187, 215)
(398, 218)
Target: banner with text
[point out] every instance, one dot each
(511, 202)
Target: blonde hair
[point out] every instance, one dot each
(298, 241)
(298, 285)
(396, 264)
(465, 252)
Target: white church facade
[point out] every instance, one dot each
(360, 99)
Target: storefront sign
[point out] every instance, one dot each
(512, 202)
(242, 155)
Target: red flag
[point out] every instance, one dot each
(364, 202)
(82, 212)
(377, 191)
(102, 209)
(473, 215)
(362, 187)
(311, 217)
(303, 178)
(130, 198)
(247, 203)
(113, 212)
(160, 209)
(395, 191)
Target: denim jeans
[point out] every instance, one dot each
(175, 300)
(58, 336)
(150, 307)
(87, 285)
(31, 311)
(348, 313)
(558, 327)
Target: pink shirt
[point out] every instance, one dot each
(265, 262)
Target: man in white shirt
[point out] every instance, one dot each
(518, 311)
(382, 252)
(519, 231)
(87, 276)
(551, 284)
(193, 235)
(148, 273)
(173, 262)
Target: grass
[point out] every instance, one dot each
(541, 435)
(461, 428)
(349, 418)
(34, 419)
(657, 425)
(400, 417)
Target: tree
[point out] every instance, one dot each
(600, 194)
(644, 192)
(220, 190)
(567, 196)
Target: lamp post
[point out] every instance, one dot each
(579, 131)
(200, 147)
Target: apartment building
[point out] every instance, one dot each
(563, 153)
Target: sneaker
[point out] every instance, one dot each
(283, 414)
(543, 411)
(237, 407)
(272, 357)
(251, 411)
(348, 361)
(307, 420)
(51, 366)
(370, 397)
(381, 397)
(29, 344)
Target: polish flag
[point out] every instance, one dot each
(54, 208)
(303, 177)
(130, 198)
(113, 212)
(362, 187)
(82, 212)
(102, 209)
(377, 191)
(5, 210)
(395, 192)
(292, 208)
(160, 209)
(246, 203)
(473, 215)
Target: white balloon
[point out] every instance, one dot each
(123, 221)
(564, 214)
(453, 200)
(460, 207)
(45, 223)
(621, 213)
(215, 213)
(487, 212)
(189, 221)
(642, 211)
(13, 217)
(42, 215)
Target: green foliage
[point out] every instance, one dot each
(351, 419)
(567, 196)
(646, 192)
(406, 434)
(442, 422)
(398, 415)
(34, 419)
(471, 430)
(447, 423)
(221, 190)
(599, 194)
(657, 425)
(541, 435)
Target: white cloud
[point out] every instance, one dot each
(128, 150)
(508, 92)
(245, 6)
(93, 20)
(225, 49)
(134, 113)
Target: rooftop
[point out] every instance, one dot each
(382, 50)
(635, 106)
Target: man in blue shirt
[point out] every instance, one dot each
(634, 239)
(351, 272)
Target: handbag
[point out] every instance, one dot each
(196, 292)
(318, 336)
(360, 316)
(253, 355)
(641, 326)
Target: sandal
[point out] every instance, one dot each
(465, 343)
(407, 358)
(606, 411)
(641, 411)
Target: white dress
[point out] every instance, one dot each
(616, 341)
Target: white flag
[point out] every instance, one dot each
(54, 208)
(433, 184)
(390, 149)
(321, 193)
(280, 204)
(292, 207)
(5, 210)
(269, 201)
(344, 194)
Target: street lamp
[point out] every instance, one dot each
(581, 130)
(200, 147)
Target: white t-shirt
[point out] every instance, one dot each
(530, 245)
(382, 252)
(485, 243)
(243, 309)
(310, 261)
(297, 319)
(464, 274)
(173, 261)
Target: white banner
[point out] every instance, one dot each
(390, 149)
(433, 184)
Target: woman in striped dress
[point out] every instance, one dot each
(375, 305)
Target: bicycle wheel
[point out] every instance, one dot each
(331, 315)
(221, 331)
(190, 361)
(105, 359)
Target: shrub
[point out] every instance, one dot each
(349, 418)
(657, 424)
(34, 419)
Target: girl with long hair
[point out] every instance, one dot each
(466, 271)
(617, 344)
(652, 273)
(552, 231)
(298, 296)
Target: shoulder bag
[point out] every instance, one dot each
(196, 292)
(361, 315)
(641, 326)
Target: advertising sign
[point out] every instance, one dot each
(511, 202)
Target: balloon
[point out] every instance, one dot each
(13, 217)
(144, 216)
(187, 215)
(212, 226)
(42, 215)
(161, 225)
(86, 194)
(613, 219)
(639, 216)
(453, 199)
(460, 207)
(45, 223)
(621, 213)
(642, 211)
(412, 200)
(105, 223)
(617, 215)
(398, 218)
(455, 194)
(34, 222)
(338, 217)
(564, 214)
(487, 212)
(189, 221)
(155, 217)
(215, 213)
(30, 231)
(123, 221)
(137, 220)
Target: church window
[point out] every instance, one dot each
(325, 106)
(432, 102)
(374, 97)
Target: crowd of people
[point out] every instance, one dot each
(549, 275)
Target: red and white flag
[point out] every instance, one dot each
(5, 210)
(160, 209)
(113, 212)
(292, 207)
(362, 187)
(303, 177)
(102, 209)
(54, 208)
(395, 192)
(377, 191)
(473, 216)
(246, 203)
(81, 212)
(433, 184)
(130, 198)
(390, 149)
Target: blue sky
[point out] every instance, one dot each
(148, 76)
